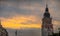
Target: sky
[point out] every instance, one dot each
(20, 14)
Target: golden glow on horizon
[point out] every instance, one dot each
(16, 22)
(21, 26)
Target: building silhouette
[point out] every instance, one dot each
(47, 26)
(3, 31)
(16, 33)
(56, 34)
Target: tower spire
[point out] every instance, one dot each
(46, 10)
(47, 14)
(46, 5)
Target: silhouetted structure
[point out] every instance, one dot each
(47, 26)
(57, 34)
(16, 33)
(3, 31)
(59, 31)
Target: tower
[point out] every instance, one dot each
(3, 31)
(47, 26)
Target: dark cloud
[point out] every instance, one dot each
(29, 7)
(7, 8)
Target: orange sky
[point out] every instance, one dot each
(20, 22)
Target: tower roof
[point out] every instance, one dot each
(47, 10)
(46, 14)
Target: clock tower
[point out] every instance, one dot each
(47, 26)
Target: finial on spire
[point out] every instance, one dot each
(46, 3)
(46, 6)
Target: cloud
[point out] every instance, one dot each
(19, 22)
(29, 12)
(22, 8)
